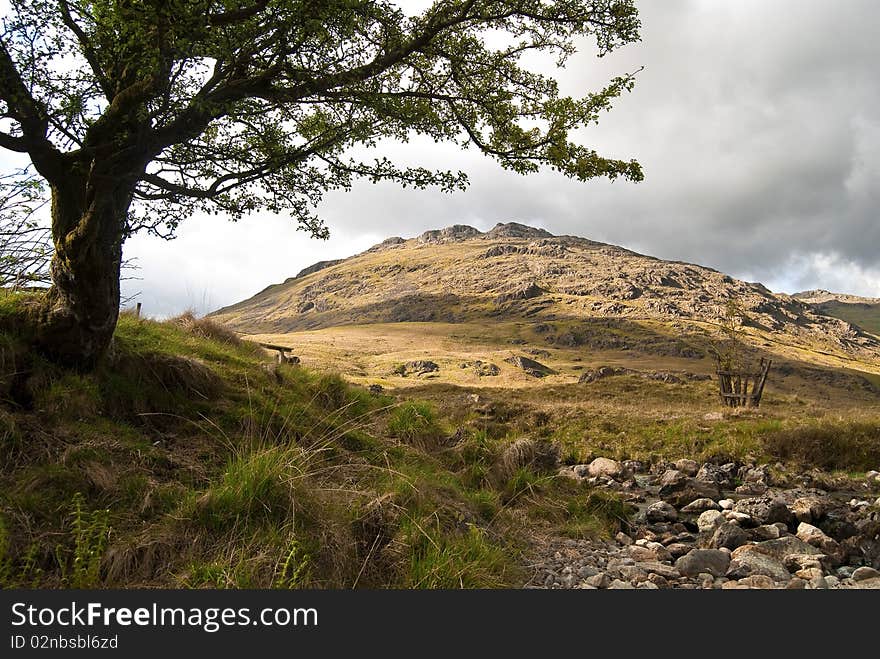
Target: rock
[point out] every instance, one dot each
(617, 584)
(581, 471)
(713, 416)
(721, 475)
(658, 580)
(600, 580)
(605, 467)
(661, 511)
(758, 582)
(726, 504)
(740, 518)
(796, 584)
(765, 510)
(751, 488)
(586, 571)
(648, 585)
(785, 546)
(746, 561)
(688, 491)
(697, 561)
(866, 584)
(700, 505)
(729, 535)
(817, 538)
(678, 549)
(689, 467)
(525, 291)
(766, 532)
(570, 581)
(809, 573)
(808, 509)
(623, 539)
(418, 367)
(634, 466)
(530, 366)
(709, 521)
(796, 562)
(673, 478)
(864, 573)
(832, 582)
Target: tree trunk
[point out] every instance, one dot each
(79, 316)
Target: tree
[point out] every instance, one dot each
(25, 245)
(139, 112)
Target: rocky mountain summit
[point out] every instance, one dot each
(460, 274)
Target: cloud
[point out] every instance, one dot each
(757, 123)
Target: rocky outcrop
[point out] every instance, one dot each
(530, 366)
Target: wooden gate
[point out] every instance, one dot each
(742, 388)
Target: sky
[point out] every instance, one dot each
(757, 124)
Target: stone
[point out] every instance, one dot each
(581, 471)
(672, 477)
(661, 511)
(726, 504)
(740, 518)
(623, 539)
(816, 537)
(785, 546)
(866, 584)
(795, 562)
(570, 580)
(604, 467)
(688, 491)
(809, 573)
(766, 532)
(586, 571)
(729, 535)
(648, 585)
(662, 569)
(658, 580)
(796, 584)
(709, 521)
(713, 416)
(746, 561)
(832, 581)
(632, 573)
(721, 475)
(678, 549)
(617, 584)
(765, 510)
(712, 561)
(864, 573)
(808, 509)
(757, 582)
(600, 580)
(689, 467)
(700, 505)
(751, 488)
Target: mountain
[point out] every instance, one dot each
(517, 272)
(861, 311)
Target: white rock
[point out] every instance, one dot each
(713, 416)
(726, 504)
(710, 520)
(605, 467)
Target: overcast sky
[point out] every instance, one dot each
(757, 124)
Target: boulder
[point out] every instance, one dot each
(686, 466)
(729, 535)
(721, 475)
(816, 537)
(765, 510)
(746, 561)
(688, 491)
(661, 511)
(604, 467)
(699, 561)
(808, 509)
(865, 573)
(700, 505)
(710, 520)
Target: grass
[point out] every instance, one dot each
(189, 459)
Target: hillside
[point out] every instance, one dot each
(861, 311)
(518, 285)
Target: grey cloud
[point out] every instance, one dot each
(758, 124)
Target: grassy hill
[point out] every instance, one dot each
(189, 459)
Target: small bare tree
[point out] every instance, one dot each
(25, 243)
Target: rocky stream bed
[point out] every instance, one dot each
(722, 526)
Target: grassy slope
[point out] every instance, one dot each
(866, 316)
(186, 460)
